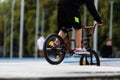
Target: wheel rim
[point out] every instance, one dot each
(54, 54)
(87, 60)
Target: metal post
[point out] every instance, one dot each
(4, 49)
(96, 30)
(43, 19)
(37, 16)
(85, 15)
(85, 20)
(37, 26)
(73, 37)
(111, 18)
(21, 30)
(12, 25)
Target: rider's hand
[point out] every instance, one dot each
(100, 23)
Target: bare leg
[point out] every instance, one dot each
(78, 37)
(62, 34)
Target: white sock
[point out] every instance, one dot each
(79, 48)
(84, 48)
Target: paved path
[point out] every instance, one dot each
(24, 69)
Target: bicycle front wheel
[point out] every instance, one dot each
(54, 55)
(91, 59)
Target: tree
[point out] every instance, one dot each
(51, 23)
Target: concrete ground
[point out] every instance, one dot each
(39, 69)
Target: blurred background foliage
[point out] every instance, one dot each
(50, 7)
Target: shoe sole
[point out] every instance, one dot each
(82, 53)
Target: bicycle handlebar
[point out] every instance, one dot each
(96, 24)
(91, 27)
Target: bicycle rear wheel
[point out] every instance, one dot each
(91, 59)
(54, 55)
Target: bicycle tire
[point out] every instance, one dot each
(50, 52)
(84, 59)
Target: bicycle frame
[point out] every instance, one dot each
(85, 41)
(55, 54)
(67, 43)
(88, 35)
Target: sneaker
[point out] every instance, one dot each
(81, 51)
(76, 51)
(85, 51)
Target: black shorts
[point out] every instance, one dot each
(68, 17)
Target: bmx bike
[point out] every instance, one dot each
(55, 55)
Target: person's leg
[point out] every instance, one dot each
(75, 21)
(78, 40)
(62, 22)
(62, 34)
(78, 37)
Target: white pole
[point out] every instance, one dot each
(111, 18)
(4, 49)
(12, 26)
(21, 30)
(96, 30)
(85, 15)
(85, 20)
(73, 37)
(43, 19)
(37, 26)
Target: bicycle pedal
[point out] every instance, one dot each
(51, 43)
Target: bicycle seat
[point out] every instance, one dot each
(67, 29)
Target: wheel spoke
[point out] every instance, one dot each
(53, 55)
